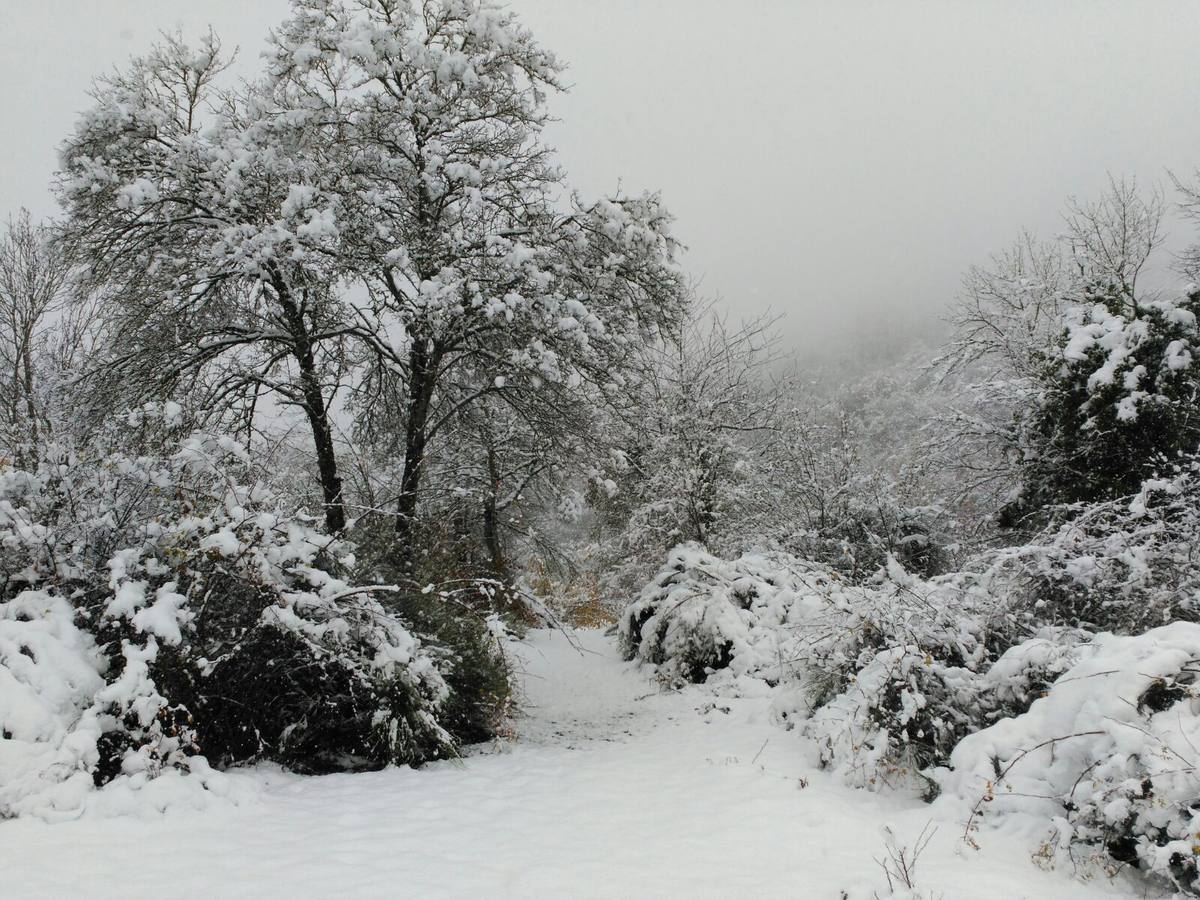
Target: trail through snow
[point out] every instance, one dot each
(615, 789)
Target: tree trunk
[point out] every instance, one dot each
(318, 420)
(315, 409)
(491, 518)
(30, 407)
(424, 362)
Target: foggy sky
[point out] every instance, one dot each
(840, 163)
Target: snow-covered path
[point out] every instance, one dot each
(616, 789)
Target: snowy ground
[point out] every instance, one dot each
(615, 789)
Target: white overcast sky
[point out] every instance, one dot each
(840, 163)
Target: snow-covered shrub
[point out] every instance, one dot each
(1108, 757)
(1121, 565)
(466, 637)
(887, 676)
(180, 613)
(869, 525)
(889, 668)
(901, 712)
(893, 678)
(462, 614)
(927, 662)
(701, 614)
(891, 675)
(1118, 395)
(902, 709)
(917, 664)
(50, 672)
(1025, 671)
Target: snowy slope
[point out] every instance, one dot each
(616, 789)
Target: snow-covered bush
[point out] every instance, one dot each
(1108, 757)
(465, 635)
(701, 614)
(902, 711)
(890, 674)
(870, 525)
(884, 677)
(49, 676)
(1119, 396)
(165, 610)
(1122, 565)
(893, 678)
(921, 663)
(1025, 671)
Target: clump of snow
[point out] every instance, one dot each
(49, 672)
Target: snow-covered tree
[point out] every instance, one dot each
(378, 212)
(496, 488)
(43, 331)
(1119, 399)
(484, 274)
(203, 223)
(1008, 321)
(683, 450)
